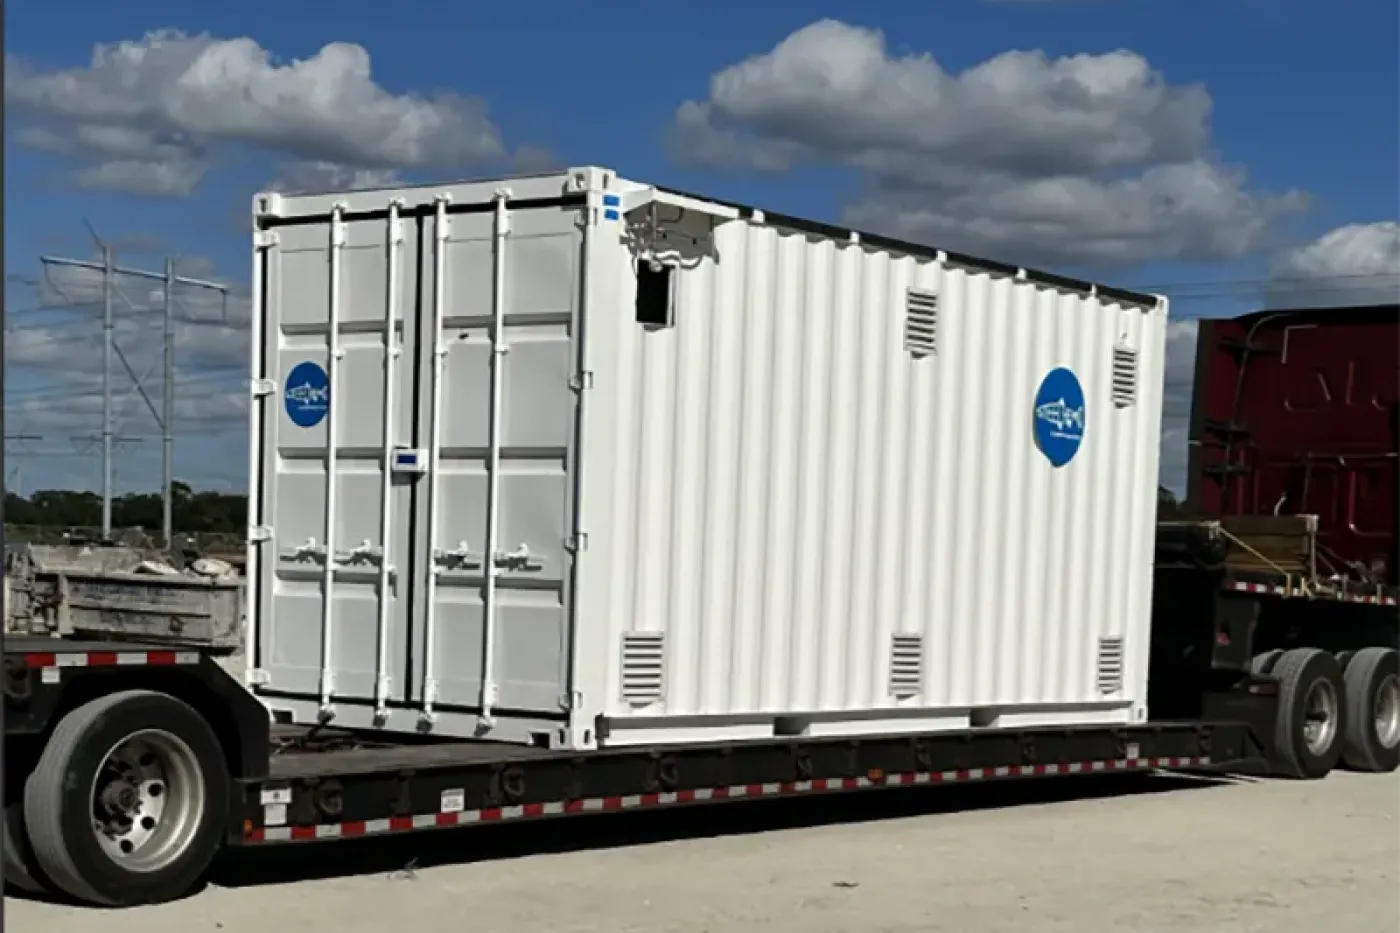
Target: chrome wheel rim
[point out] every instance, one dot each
(1320, 711)
(147, 799)
(1387, 711)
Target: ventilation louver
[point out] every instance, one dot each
(921, 323)
(906, 665)
(1110, 665)
(643, 667)
(1125, 376)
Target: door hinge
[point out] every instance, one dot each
(259, 388)
(258, 533)
(582, 380)
(568, 702)
(265, 239)
(577, 542)
(257, 677)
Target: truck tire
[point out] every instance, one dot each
(129, 800)
(20, 870)
(1264, 663)
(1372, 740)
(1311, 724)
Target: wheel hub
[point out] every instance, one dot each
(146, 801)
(1387, 711)
(119, 798)
(1320, 710)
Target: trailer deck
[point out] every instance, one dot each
(311, 796)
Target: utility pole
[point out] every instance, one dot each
(166, 417)
(108, 327)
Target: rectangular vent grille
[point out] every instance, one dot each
(921, 323)
(907, 665)
(1125, 376)
(643, 667)
(1110, 665)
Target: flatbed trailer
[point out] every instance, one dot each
(75, 708)
(129, 767)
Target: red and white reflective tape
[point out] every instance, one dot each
(1269, 589)
(53, 660)
(454, 814)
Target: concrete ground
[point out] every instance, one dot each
(1081, 856)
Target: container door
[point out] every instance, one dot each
(333, 590)
(497, 409)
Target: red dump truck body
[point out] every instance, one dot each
(1298, 412)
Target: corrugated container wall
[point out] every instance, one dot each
(661, 469)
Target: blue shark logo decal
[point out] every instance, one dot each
(307, 394)
(1059, 416)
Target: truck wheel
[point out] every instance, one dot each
(128, 802)
(1372, 740)
(18, 856)
(1264, 663)
(1308, 733)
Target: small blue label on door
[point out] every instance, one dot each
(1059, 416)
(307, 394)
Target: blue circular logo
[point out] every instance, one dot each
(1059, 416)
(307, 394)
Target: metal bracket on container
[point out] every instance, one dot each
(519, 559)
(259, 533)
(268, 204)
(396, 225)
(364, 553)
(307, 551)
(264, 239)
(581, 381)
(459, 558)
(259, 388)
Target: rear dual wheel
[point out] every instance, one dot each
(1335, 710)
(1311, 724)
(1372, 738)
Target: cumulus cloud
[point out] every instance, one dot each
(306, 176)
(1357, 264)
(1083, 159)
(151, 116)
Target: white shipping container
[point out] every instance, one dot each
(574, 461)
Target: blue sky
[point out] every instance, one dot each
(1256, 129)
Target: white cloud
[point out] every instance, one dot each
(1357, 264)
(172, 178)
(306, 176)
(174, 102)
(1086, 158)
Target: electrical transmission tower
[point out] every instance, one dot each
(165, 416)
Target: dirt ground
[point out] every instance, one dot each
(1082, 856)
